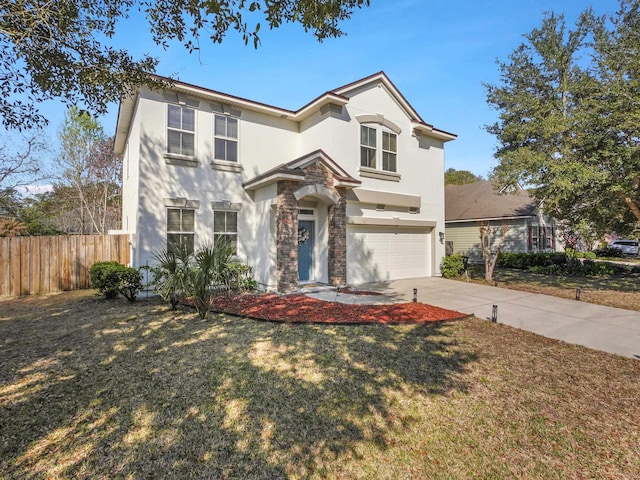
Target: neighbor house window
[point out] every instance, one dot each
(547, 238)
(181, 130)
(368, 147)
(534, 243)
(180, 229)
(226, 138)
(389, 151)
(225, 228)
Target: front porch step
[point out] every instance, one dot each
(316, 288)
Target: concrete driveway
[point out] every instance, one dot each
(603, 328)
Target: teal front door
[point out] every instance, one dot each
(305, 250)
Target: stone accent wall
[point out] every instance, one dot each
(317, 174)
(287, 236)
(287, 229)
(338, 240)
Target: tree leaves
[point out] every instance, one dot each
(56, 49)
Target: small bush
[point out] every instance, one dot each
(130, 283)
(547, 269)
(452, 266)
(525, 261)
(111, 278)
(608, 252)
(105, 277)
(238, 277)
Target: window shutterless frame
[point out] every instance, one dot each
(181, 128)
(384, 158)
(368, 149)
(225, 228)
(180, 229)
(225, 132)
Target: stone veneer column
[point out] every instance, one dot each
(287, 236)
(338, 240)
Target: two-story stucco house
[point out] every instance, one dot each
(347, 189)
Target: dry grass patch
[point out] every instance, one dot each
(98, 389)
(620, 291)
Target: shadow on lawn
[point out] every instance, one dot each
(93, 388)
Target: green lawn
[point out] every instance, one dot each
(100, 389)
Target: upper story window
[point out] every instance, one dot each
(181, 130)
(367, 147)
(370, 157)
(389, 151)
(226, 138)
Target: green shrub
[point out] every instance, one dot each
(238, 277)
(452, 266)
(547, 269)
(105, 277)
(524, 261)
(130, 283)
(200, 276)
(111, 278)
(590, 255)
(608, 252)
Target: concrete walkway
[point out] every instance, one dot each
(603, 328)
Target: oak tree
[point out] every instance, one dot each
(569, 111)
(61, 49)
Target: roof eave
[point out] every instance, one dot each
(430, 131)
(125, 115)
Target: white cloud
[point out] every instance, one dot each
(31, 190)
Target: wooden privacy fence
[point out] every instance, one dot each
(30, 265)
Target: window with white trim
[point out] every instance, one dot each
(367, 147)
(226, 138)
(389, 151)
(225, 228)
(370, 138)
(181, 130)
(180, 229)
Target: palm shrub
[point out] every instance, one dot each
(199, 276)
(206, 278)
(169, 274)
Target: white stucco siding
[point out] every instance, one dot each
(199, 183)
(376, 253)
(266, 141)
(260, 246)
(420, 164)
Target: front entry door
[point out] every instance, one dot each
(305, 250)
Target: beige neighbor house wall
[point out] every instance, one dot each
(464, 238)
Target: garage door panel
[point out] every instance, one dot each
(386, 253)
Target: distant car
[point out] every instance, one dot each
(628, 247)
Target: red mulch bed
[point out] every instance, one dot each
(303, 309)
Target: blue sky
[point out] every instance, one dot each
(438, 53)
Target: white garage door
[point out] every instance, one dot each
(387, 253)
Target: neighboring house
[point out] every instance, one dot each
(347, 189)
(467, 206)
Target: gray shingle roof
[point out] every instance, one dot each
(477, 201)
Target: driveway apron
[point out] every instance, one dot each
(603, 328)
